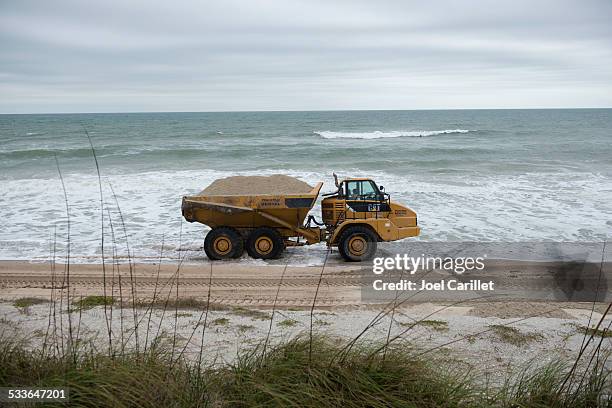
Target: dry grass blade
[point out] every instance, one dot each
(205, 319)
(93, 152)
(131, 266)
(391, 320)
(150, 310)
(314, 302)
(51, 313)
(204, 315)
(586, 333)
(595, 359)
(583, 349)
(178, 276)
(343, 352)
(280, 283)
(67, 265)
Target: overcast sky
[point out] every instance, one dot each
(209, 55)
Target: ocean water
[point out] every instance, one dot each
(472, 175)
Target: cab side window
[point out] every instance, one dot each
(352, 190)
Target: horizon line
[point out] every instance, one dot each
(299, 110)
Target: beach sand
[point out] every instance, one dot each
(337, 285)
(242, 298)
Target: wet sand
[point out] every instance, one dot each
(335, 285)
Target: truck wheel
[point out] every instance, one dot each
(265, 243)
(223, 243)
(357, 244)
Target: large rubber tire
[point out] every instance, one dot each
(223, 243)
(357, 243)
(265, 243)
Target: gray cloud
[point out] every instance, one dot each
(74, 56)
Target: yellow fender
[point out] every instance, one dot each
(384, 228)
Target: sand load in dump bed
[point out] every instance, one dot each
(277, 184)
(249, 202)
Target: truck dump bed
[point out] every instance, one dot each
(251, 202)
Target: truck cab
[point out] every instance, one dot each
(359, 214)
(355, 198)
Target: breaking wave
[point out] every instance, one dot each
(377, 134)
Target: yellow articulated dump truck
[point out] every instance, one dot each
(264, 215)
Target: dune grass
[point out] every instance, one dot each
(591, 331)
(296, 373)
(287, 323)
(250, 313)
(89, 302)
(437, 325)
(512, 335)
(221, 321)
(26, 302)
(187, 303)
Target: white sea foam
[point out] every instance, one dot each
(537, 206)
(377, 134)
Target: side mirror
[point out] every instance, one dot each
(381, 188)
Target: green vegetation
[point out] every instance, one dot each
(287, 323)
(24, 302)
(513, 335)
(252, 313)
(221, 321)
(296, 373)
(176, 303)
(89, 302)
(437, 325)
(245, 327)
(591, 331)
